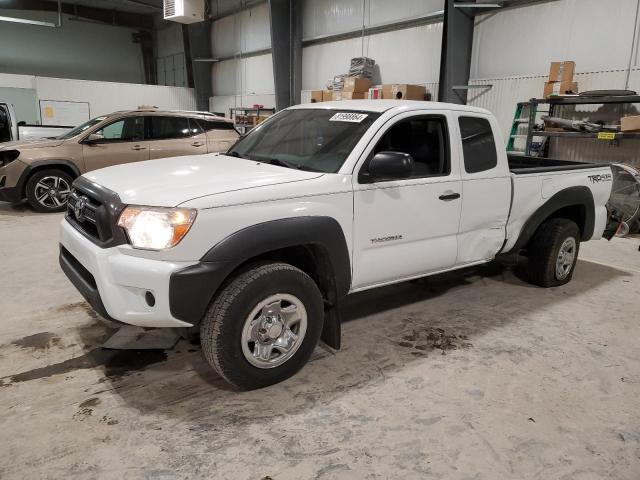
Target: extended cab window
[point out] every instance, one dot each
(425, 139)
(163, 128)
(478, 145)
(309, 139)
(123, 130)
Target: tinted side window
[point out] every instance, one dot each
(123, 130)
(169, 127)
(194, 127)
(425, 139)
(217, 125)
(478, 144)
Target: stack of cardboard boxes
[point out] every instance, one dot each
(354, 88)
(359, 88)
(560, 81)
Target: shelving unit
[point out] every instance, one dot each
(527, 113)
(245, 118)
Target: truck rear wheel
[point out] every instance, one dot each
(47, 190)
(263, 326)
(553, 252)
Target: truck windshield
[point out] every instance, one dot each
(307, 139)
(80, 128)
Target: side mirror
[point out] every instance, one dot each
(389, 166)
(93, 138)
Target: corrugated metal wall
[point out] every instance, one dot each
(328, 17)
(411, 55)
(596, 34)
(242, 81)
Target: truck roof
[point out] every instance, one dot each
(384, 105)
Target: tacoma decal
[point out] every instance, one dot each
(390, 238)
(607, 177)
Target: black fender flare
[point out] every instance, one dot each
(192, 288)
(578, 196)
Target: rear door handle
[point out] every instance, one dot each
(138, 147)
(449, 196)
(197, 144)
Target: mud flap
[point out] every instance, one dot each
(614, 224)
(331, 329)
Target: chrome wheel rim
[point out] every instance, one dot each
(566, 257)
(52, 191)
(274, 330)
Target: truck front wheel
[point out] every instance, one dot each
(263, 326)
(553, 252)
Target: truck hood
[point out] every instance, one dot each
(28, 144)
(171, 181)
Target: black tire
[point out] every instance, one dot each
(222, 327)
(544, 251)
(34, 190)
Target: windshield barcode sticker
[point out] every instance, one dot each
(348, 117)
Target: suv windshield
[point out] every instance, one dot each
(80, 128)
(308, 139)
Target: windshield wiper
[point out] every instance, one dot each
(284, 163)
(236, 154)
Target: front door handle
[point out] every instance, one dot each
(197, 144)
(449, 196)
(138, 147)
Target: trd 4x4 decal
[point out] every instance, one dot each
(607, 177)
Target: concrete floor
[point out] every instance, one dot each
(472, 375)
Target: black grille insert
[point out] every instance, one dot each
(94, 210)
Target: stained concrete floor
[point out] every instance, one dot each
(469, 375)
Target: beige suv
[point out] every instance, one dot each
(42, 170)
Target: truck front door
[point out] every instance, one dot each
(406, 228)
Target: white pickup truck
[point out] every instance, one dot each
(12, 130)
(258, 246)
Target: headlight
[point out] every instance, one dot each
(156, 228)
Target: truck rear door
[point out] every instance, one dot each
(486, 188)
(406, 228)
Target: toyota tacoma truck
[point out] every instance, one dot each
(257, 247)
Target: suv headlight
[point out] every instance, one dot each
(156, 228)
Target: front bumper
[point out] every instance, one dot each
(115, 284)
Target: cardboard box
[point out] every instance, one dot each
(562, 71)
(354, 95)
(553, 89)
(355, 84)
(316, 96)
(630, 123)
(375, 93)
(327, 95)
(403, 91)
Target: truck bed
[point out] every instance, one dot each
(521, 164)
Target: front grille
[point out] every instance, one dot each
(94, 210)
